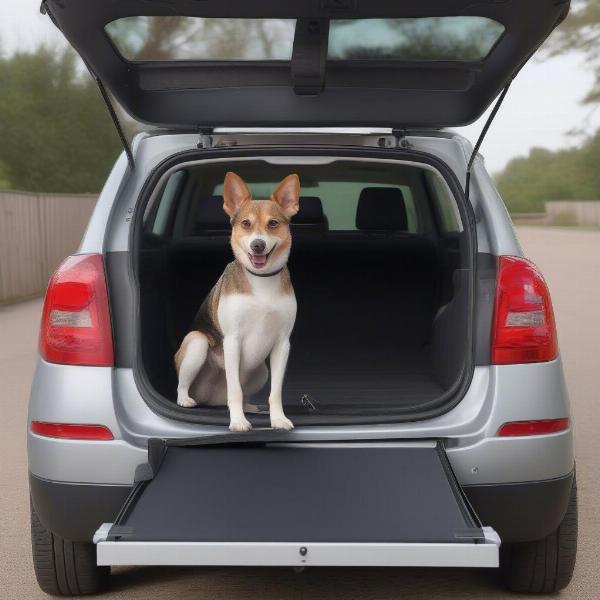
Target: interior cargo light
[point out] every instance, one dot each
(71, 431)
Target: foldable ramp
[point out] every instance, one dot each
(297, 504)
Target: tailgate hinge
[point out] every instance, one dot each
(400, 137)
(205, 138)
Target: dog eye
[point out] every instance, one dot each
(245, 223)
(272, 223)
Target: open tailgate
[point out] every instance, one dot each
(187, 64)
(298, 504)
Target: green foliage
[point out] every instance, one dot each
(55, 131)
(573, 174)
(4, 183)
(581, 32)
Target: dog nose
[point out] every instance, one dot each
(258, 246)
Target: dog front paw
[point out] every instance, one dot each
(281, 422)
(240, 424)
(185, 401)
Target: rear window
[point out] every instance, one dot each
(427, 38)
(198, 38)
(343, 196)
(457, 38)
(339, 200)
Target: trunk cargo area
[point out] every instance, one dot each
(382, 286)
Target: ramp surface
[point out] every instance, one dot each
(361, 493)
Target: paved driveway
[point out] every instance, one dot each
(571, 262)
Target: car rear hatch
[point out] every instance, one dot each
(263, 499)
(188, 64)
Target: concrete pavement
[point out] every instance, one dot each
(570, 260)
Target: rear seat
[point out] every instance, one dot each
(379, 277)
(380, 271)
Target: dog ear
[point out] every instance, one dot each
(287, 195)
(235, 193)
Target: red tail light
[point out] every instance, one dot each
(523, 326)
(71, 431)
(542, 427)
(76, 328)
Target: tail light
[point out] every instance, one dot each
(524, 330)
(76, 327)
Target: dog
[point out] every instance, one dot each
(249, 314)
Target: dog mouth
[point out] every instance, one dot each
(259, 261)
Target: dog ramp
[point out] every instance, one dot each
(256, 499)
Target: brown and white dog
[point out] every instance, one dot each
(249, 314)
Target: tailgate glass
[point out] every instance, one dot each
(198, 38)
(428, 38)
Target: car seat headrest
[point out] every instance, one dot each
(310, 217)
(381, 209)
(210, 216)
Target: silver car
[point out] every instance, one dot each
(425, 381)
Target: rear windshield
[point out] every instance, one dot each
(427, 38)
(333, 198)
(457, 38)
(198, 38)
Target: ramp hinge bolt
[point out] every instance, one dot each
(303, 551)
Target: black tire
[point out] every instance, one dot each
(62, 567)
(546, 565)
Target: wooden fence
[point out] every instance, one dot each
(584, 213)
(569, 212)
(37, 231)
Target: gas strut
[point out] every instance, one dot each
(45, 10)
(482, 135)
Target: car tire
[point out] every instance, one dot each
(543, 566)
(63, 567)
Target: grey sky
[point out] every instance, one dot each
(541, 107)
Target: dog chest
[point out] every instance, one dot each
(257, 320)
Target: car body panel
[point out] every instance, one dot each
(497, 395)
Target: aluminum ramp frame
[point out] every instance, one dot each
(220, 501)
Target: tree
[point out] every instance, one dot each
(581, 32)
(4, 182)
(571, 174)
(55, 133)
(176, 37)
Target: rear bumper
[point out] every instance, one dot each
(521, 512)
(517, 511)
(73, 510)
